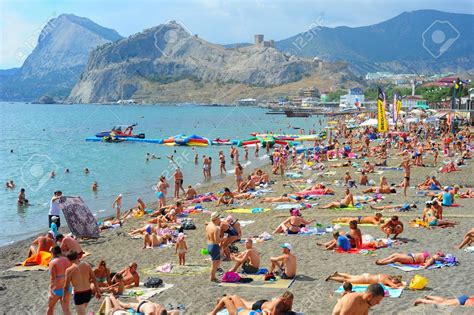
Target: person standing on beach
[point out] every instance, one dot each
(406, 175)
(117, 205)
(54, 209)
(57, 271)
(80, 276)
(205, 166)
(257, 148)
(178, 182)
(222, 162)
(162, 189)
(239, 173)
(213, 241)
(236, 155)
(246, 153)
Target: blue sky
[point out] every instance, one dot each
(223, 22)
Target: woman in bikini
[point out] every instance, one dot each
(293, 224)
(102, 274)
(366, 278)
(423, 259)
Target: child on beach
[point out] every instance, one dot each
(181, 248)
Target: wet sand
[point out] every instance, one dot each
(26, 292)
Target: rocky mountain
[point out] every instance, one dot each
(167, 53)
(424, 41)
(57, 61)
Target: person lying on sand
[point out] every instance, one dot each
(169, 217)
(42, 244)
(424, 259)
(372, 219)
(467, 240)
(463, 300)
(293, 224)
(344, 203)
(284, 264)
(366, 278)
(153, 240)
(112, 306)
(393, 226)
(343, 164)
(227, 197)
(380, 190)
(129, 275)
(283, 198)
(178, 208)
(360, 302)
(248, 259)
(404, 207)
(236, 305)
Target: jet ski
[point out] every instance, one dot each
(121, 131)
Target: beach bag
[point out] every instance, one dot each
(450, 259)
(230, 276)
(153, 282)
(418, 282)
(189, 225)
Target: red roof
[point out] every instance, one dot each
(446, 81)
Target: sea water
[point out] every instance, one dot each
(46, 138)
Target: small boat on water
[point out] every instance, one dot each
(121, 131)
(219, 141)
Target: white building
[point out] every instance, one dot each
(354, 98)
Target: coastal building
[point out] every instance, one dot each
(414, 101)
(309, 92)
(353, 98)
(309, 102)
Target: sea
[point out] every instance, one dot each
(36, 140)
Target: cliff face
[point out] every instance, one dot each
(167, 54)
(58, 59)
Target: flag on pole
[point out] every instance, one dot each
(395, 108)
(399, 104)
(382, 118)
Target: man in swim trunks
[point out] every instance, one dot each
(406, 165)
(213, 240)
(380, 190)
(344, 203)
(44, 243)
(393, 226)
(248, 259)
(178, 182)
(68, 243)
(360, 302)
(366, 278)
(129, 275)
(422, 259)
(463, 300)
(80, 276)
(373, 219)
(285, 263)
(57, 272)
(402, 208)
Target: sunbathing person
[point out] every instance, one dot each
(129, 275)
(404, 207)
(236, 305)
(284, 264)
(467, 240)
(393, 226)
(227, 197)
(424, 259)
(248, 259)
(366, 278)
(430, 184)
(430, 216)
(249, 185)
(112, 306)
(283, 198)
(463, 300)
(448, 168)
(169, 217)
(152, 240)
(344, 203)
(380, 190)
(360, 302)
(43, 244)
(102, 274)
(293, 224)
(373, 219)
(190, 193)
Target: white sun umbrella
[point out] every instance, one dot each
(369, 122)
(417, 112)
(412, 120)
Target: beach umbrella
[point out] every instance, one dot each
(417, 112)
(412, 120)
(430, 120)
(370, 122)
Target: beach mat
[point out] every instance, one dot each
(288, 206)
(416, 267)
(248, 210)
(352, 208)
(144, 293)
(390, 292)
(310, 231)
(28, 268)
(226, 312)
(258, 282)
(187, 270)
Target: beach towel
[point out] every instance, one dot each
(29, 268)
(416, 267)
(143, 292)
(79, 217)
(350, 208)
(248, 210)
(41, 258)
(259, 282)
(244, 223)
(389, 292)
(310, 231)
(288, 206)
(187, 270)
(364, 249)
(390, 168)
(358, 224)
(293, 175)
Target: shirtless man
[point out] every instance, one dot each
(191, 193)
(463, 300)
(68, 244)
(117, 205)
(80, 276)
(213, 241)
(359, 302)
(248, 259)
(372, 219)
(354, 235)
(57, 271)
(380, 190)
(237, 305)
(285, 263)
(129, 275)
(344, 203)
(393, 226)
(366, 278)
(143, 307)
(406, 164)
(44, 243)
(178, 182)
(403, 207)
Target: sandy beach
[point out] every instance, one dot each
(26, 292)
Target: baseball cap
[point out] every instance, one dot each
(54, 217)
(287, 246)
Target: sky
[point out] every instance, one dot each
(217, 21)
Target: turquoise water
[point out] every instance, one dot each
(47, 138)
